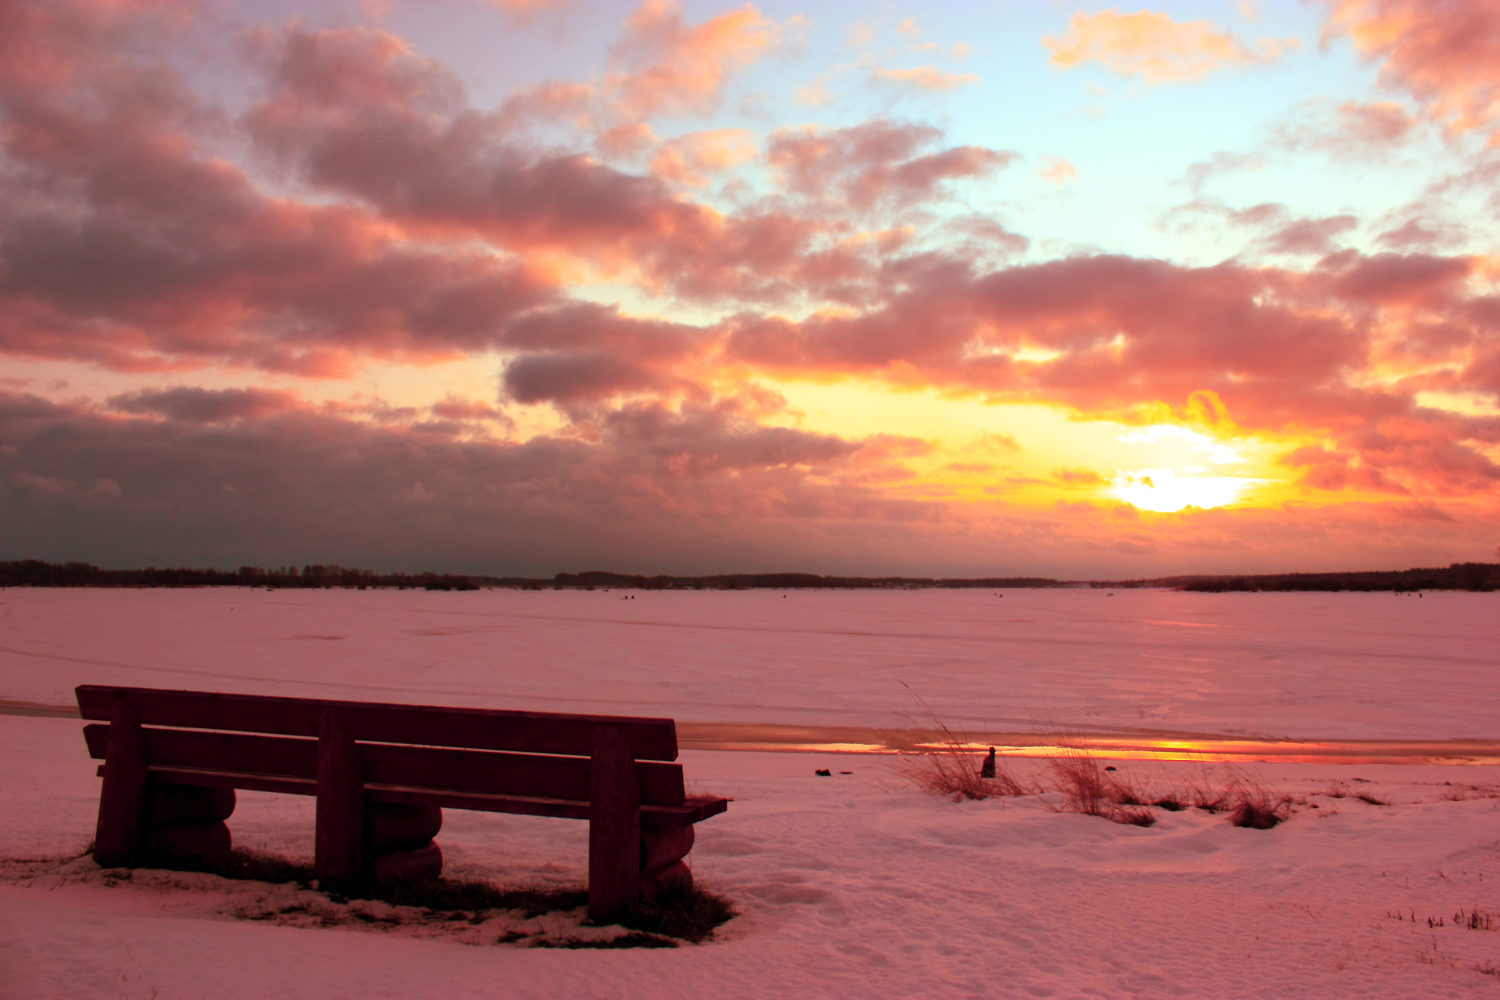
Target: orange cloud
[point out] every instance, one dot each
(1154, 46)
(1447, 55)
(689, 159)
(1057, 170)
(680, 69)
(926, 78)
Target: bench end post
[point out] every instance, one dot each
(614, 824)
(122, 800)
(340, 808)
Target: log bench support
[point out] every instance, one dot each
(340, 812)
(614, 824)
(123, 797)
(383, 774)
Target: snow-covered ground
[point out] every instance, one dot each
(854, 885)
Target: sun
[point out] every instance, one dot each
(1163, 491)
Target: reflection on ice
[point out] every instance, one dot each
(749, 736)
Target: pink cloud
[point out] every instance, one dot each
(876, 161)
(1447, 55)
(1350, 131)
(1310, 236)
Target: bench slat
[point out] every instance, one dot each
(232, 779)
(475, 728)
(696, 808)
(480, 771)
(494, 773)
(275, 755)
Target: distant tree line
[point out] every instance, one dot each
(35, 573)
(1459, 576)
(786, 581)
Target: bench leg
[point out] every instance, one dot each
(122, 800)
(614, 825)
(341, 794)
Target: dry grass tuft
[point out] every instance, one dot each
(954, 769)
(1475, 920)
(1093, 791)
(1253, 805)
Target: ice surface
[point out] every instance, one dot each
(1303, 666)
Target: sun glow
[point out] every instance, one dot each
(1163, 491)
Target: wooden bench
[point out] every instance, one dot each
(383, 773)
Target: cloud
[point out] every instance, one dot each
(673, 68)
(1309, 236)
(1447, 55)
(1286, 352)
(1078, 477)
(926, 78)
(1220, 164)
(522, 11)
(1350, 131)
(205, 406)
(305, 484)
(700, 489)
(1056, 170)
(133, 249)
(1153, 46)
(690, 159)
(452, 173)
(875, 161)
(584, 353)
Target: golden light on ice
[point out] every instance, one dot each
(1164, 491)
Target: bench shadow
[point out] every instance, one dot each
(679, 912)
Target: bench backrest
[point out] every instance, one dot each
(541, 754)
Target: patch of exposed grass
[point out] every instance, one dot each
(434, 893)
(235, 863)
(688, 912)
(465, 895)
(1134, 817)
(1371, 799)
(635, 939)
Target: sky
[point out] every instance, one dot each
(960, 289)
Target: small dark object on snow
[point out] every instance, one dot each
(846, 772)
(1109, 768)
(988, 770)
(823, 772)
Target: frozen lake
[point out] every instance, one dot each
(1299, 666)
